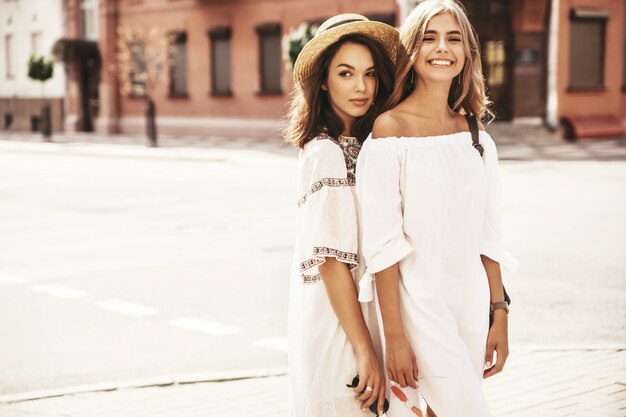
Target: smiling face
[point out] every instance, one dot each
(442, 55)
(351, 83)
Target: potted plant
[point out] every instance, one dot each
(42, 69)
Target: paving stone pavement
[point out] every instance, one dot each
(515, 142)
(541, 382)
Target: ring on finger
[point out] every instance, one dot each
(368, 388)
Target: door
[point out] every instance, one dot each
(493, 22)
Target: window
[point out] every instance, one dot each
(624, 57)
(220, 61)
(270, 57)
(35, 41)
(587, 40)
(8, 43)
(178, 70)
(89, 19)
(388, 18)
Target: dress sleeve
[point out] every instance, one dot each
(491, 237)
(328, 225)
(378, 191)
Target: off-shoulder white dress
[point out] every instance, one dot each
(433, 205)
(321, 359)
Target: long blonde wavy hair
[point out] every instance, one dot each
(467, 91)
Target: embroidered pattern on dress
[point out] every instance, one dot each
(319, 252)
(350, 154)
(310, 263)
(341, 256)
(350, 148)
(328, 182)
(307, 279)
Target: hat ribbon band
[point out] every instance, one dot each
(343, 23)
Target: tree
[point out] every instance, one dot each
(42, 69)
(143, 62)
(294, 41)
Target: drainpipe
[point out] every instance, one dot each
(552, 102)
(66, 76)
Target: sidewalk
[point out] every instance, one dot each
(515, 143)
(541, 382)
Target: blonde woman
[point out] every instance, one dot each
(430, 206)
(343, 78)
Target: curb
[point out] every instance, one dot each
(568, 347)
(163, 381)
(234, 375)
(130, 151)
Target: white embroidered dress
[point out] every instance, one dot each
(321, 359)
(433, 205)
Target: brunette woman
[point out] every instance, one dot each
(343, 78)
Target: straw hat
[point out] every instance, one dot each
(332, 30)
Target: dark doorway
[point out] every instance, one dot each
(89, 97)
(82, 62)
(493, 22)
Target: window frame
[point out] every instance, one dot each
(35, 42)
(90, 8)
(624, 53)
(217, 34)
(8, 43)
(269, 29)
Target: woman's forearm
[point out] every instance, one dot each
(343, 297)
(494, 276)
(388, 291)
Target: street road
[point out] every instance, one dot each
(116, 268)
(122, 268)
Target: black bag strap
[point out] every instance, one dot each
(473, 127)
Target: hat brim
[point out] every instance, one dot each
(387, 35)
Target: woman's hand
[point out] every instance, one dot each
(371, 381)
(498, 341)
(401, 363)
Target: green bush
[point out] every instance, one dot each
(40, 68)
(294, 41)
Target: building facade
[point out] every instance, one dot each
(590, 58)
(29, 27)
(543, 59)
(228, 75)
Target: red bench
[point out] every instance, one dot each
(598, 126)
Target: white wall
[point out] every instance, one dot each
(20, 19)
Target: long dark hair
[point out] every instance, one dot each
(311, 112)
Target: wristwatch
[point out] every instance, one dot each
(503, 305)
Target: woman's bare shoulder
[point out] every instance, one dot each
(461, 122)
(386, 125)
